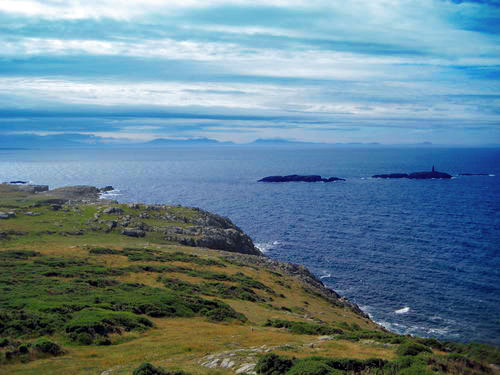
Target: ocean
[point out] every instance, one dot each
(421, 257)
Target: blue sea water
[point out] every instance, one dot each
(421, 257)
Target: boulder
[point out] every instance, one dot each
(106, 189)
(113, 210)
(134, 233)
(7, 215)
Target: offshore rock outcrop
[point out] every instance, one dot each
(299, 178)
(429, 175)
(391, 175)
(416, 175)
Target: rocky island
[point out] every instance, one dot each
(187, 293)
(299, 178)
(416, 175)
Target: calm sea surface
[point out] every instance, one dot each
(421, 257)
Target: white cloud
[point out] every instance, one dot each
(118, 9)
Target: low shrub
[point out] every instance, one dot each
(18, 254)
(430, 342)
(412, 349)
(149, 369)
(479, 352)
(90, 325)
(48, 347)
(272, 364)
(312, 366)
(407, 366)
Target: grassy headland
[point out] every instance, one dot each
(95, 287)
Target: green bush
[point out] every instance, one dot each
(48, 347)
(149, 369)
(90, 325)
(223, 314)
(312, 366)
(18, 254)
(272, 364)
(476, 351)
(430, 342)
(412, 349)
(406, 366)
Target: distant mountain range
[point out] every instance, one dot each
(76, 140)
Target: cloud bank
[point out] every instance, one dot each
(391, 71)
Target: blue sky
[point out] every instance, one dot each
(388, 71)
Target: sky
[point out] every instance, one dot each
(388, 71)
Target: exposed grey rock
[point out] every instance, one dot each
(223, 239)
(326, 338)
(7, 215)
(245, 368)
(133, 233)
(106, 189)
(113, 210)
(80, 192)
(32, 188)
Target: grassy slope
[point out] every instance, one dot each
(175, 342)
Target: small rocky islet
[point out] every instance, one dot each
(299, 178)
(433, 174)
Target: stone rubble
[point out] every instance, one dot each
(243, 361)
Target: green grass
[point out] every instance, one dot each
(41, 294)
(151, 255)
